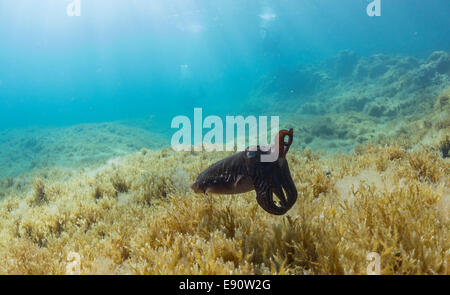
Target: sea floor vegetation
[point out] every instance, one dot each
(136, 215)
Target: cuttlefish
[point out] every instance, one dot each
(250, 170)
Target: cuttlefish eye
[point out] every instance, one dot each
(251, 154)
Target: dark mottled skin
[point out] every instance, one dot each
(244, 172)
(225, 176)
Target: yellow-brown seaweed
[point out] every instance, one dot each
(156, 226)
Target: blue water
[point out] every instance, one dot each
(126, 59)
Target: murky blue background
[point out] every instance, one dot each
(125, 59)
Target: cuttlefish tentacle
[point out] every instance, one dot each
(265, 185)
(278, 182)
(288, 184)
(244, 171)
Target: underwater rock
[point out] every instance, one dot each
(443, 100)
(379, 86)
(321, 89)
(377, 71)
(33, 145)
(424, 75)
(72, 146)
(437, 63)
(377, 65)
(379, 109)
(376, 110)
(353, 103)
(7, 182)
(312, 108)
(408, 63)
(440, 62)
(344, 63)
(361, 71)
(324, 129)
(308, 139)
